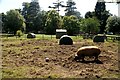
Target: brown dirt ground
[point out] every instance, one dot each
(32, 54)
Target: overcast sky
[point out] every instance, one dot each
(82, 5)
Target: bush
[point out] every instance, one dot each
(65, 40)
(98, 38)
(31, 35)
(19, 33)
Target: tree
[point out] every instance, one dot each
(90, 25)
(57, 5)
(71, 24)
(30, 12)
(70, 9)
(89, 14)
(25, 10)
(0, 22)
(77, 14)
(14, 21)
(40, 21)
(3, 19)
(101, 14)
(113, 24)
(53, 21)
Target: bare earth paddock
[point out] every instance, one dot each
(26, 58)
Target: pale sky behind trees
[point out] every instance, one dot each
(83, 6)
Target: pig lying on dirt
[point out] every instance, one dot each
(87, 51)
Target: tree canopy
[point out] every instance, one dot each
(14, 21)
(37, 20)
(70, 9)
(30, 12)
(71, 24)
(3, 19)
(89, 14)
(113, 24)
(89, 25)
(53, 22)
(102, 15)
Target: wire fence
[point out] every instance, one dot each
(53, 37)
(38, 36)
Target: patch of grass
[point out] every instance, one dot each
(112, 75)
(107, 74)
(20, 72)
(16, 72)
(76, 37)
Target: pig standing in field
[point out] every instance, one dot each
(87, 51)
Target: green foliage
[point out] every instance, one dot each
(113, 24)
(70, 10)
(30, 12)
(4, 28)
(39, 22)
(71, 24)
(90, 25)
(25, 9)
(14, 21)
(89, 14)
(102, 15)
(53, 21)
(70, 5)
(19, 33)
